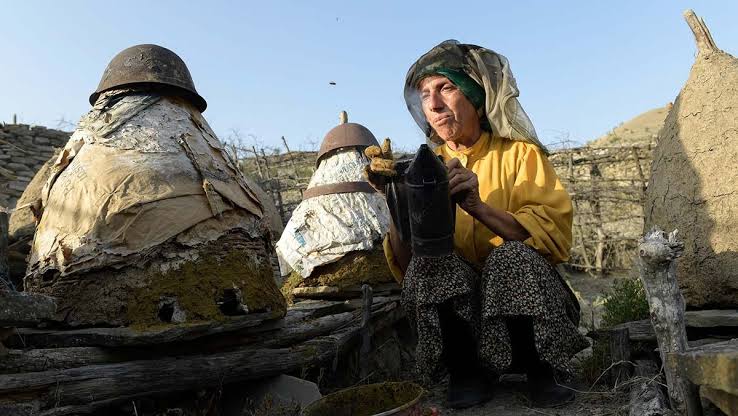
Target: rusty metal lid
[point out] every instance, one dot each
(346, 135)
(149, 64)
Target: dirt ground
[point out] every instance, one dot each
(510, 400)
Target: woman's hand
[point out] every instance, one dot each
(463, 185)
(381, 165)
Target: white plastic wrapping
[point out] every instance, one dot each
(325, 228)
(135, 173)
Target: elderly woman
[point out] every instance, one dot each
(513, 224)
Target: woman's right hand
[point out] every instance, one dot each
(381, 165)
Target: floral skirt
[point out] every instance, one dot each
(516, 282)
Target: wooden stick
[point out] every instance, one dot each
(657, 267)
(620, 356)
(366, 339)
(702, 36)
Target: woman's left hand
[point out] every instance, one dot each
(463, 185)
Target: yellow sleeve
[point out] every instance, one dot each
(391, 261)
(542, 206)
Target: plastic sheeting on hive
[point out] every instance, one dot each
(324, 228)
(131, 159)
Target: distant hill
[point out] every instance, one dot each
(643, 128)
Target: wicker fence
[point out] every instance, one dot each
(607, 185)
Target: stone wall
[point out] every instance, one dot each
(23, 150)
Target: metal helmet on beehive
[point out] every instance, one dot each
(151, 65)
(346, 135)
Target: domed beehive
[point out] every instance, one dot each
(334, 236)
(695, 174)
(147, 221)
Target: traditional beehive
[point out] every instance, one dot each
(334, 236)
(145, 218)
(695, 174)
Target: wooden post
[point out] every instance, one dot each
(278, 200)
(5, 285)
(595, 175)
(258, 164)
(366, 341)
(577, 227)
(657, 267)
(620, 356)
(641, 176)
(289, 155)
(15, 118)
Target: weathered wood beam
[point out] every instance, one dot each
(228, 332)
(657, 268)
(127, 337)
(68, 391)
(294, 331)
(333, 292)
(642, 331)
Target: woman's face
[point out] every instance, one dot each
(448, 111)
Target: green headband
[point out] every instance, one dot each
(473, 91)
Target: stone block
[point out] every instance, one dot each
(24, 140)
(16, 166)
(47, 149)
(41, 140)
(284, 390)
(17, 186)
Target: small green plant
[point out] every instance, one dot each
(626, 302)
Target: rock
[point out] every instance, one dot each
(284, 390)
(695, 173)
(23, 309)
(714, 368)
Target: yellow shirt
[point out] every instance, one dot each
(517, 177)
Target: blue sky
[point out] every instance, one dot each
(265, 67)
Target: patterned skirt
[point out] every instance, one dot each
(516, 282)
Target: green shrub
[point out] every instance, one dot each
(625, 302)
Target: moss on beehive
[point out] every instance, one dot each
(353, 269)
(198, 285)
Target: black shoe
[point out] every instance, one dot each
(543, 389)
(466, 390)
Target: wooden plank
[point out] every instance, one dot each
(127, 337)
(35, 360)
(334, 292)
(69, 391)
(717, 318)
(299, 325)
(713, 365)
(25, 309)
